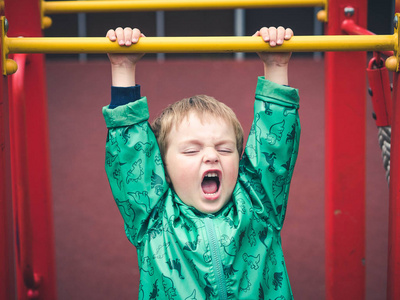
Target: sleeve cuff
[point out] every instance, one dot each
(124, 95)
(126, 115)
(270, 91)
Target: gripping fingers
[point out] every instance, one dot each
(111, 35)
(119, 32)
(136, 34)
(125, 36)
(283, 34)
(275, 36)
(128, 36)
(288, 33)
(264, 32)
(280, 35)
(269, 35)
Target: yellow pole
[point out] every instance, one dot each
(201, 44)
(60, 7)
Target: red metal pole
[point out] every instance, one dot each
(397, 6)
(345, 88)
(4, 262)
(6, 265)
(393, 282)
(20, 179)
(24, 20)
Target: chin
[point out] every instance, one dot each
(210, 209)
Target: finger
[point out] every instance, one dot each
(257, 33)
(120, 36)
(280, 35)
(128, 36)
(288, 33)
(272, 36)
(135, 35)
(111, 35)
(264, 32)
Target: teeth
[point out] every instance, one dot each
(211, 175)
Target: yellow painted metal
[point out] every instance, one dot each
(45, 20)
(2, 44)
(60, 7)
(202, 44)
(322, 15)
(9, 66)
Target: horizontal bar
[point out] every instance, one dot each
(201, 44)
(350, 27)
(60, 7)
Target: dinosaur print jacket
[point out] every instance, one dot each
(184, 254)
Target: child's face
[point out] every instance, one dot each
(202, 162)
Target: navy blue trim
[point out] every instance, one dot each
(124, 95)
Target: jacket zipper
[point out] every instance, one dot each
(216, 258)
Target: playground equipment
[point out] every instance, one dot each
(345, 162)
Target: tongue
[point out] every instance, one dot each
(209, 186)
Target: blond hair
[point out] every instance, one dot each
(202, 105)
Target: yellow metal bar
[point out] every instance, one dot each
(60, 7)
(9, 66)
(201, 44)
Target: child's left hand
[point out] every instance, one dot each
(275, 36)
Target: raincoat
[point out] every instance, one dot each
(235, 253)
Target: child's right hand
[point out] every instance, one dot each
(125, 38)
(275, 36)
(275, 64)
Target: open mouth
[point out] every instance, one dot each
(211, 183)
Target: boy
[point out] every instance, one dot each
(208, 225)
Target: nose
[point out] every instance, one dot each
(210, 156)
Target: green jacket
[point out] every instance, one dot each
(184, 254)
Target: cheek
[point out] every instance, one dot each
(233, 172)
(180, 173)
(234, 175)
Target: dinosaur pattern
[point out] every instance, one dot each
(176, 258)
(154, 292)
(136, 172)
(176, 265)
(169, 287)
(192, 296)
(252, 261)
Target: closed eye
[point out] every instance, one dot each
(225, 150)
(190, 152)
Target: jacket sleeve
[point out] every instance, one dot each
(133, 165)
(270, 155)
